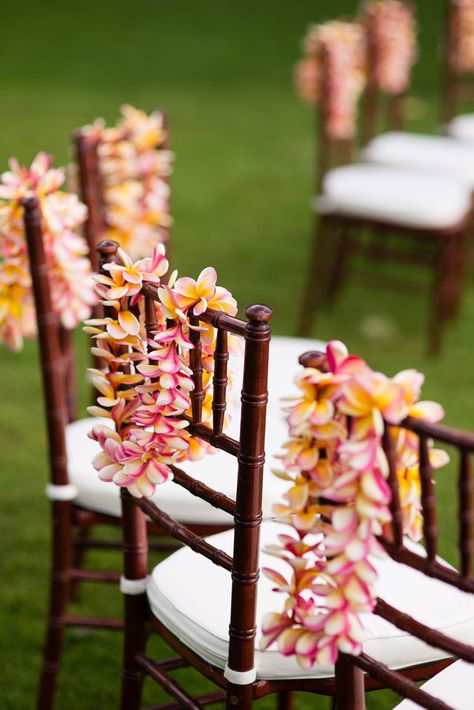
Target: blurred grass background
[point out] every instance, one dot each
(241, 191)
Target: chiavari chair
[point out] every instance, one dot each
(206, 600)
(386, 141)
(439, 623)
(384, 213)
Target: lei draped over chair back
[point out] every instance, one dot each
(390, 27)
(360, 465)
(124, 175)
(459, 56)
(165, 348)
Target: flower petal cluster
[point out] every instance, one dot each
(65, 250)
(134, 168)
(338, 498)
(145, 383)
(461, 36)
(391, 31)
(341, 46)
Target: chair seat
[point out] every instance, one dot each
(453, 685)
(441, 154)
(462, 127)
(191, 596)
(217, 471)
(395, 196)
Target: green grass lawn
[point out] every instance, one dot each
(242, 186)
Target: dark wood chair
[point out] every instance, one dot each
(454, 642)
(383, 117)
(209, 613)
(383, 213)
(80, 502)
(458, 84)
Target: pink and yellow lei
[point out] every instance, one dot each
(461, 38)
(338, 501)
(391, 32)
(68, 267)
(135, 168)
(146, 382)
(341, 47)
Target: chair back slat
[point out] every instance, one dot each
(395, 506)
(200, 490)
(184, 534)
(219, 381)
(466, 514)
(195, 358)
(52, 357)
(428, 499)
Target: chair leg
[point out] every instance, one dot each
(59, 597)
(134, 644)
(440, 298)
(316, 272)
(239, 696)
(286, 700)
(460, 266)
(339, 269)
(350, 690)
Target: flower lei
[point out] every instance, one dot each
(146, 382)
(134, 170)
(338, 501)
(68, 268)
(391, 29)
(344, 47)
(461, 39)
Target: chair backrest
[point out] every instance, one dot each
(460, 577)
(459, 56)
(56, 347)
(93, 189)
(248, 453)
(390, 28)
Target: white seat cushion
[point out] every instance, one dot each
(440, 155)
(218, 470)
(454, 685)
(396, 196)
(191, 596)
(462, 127)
